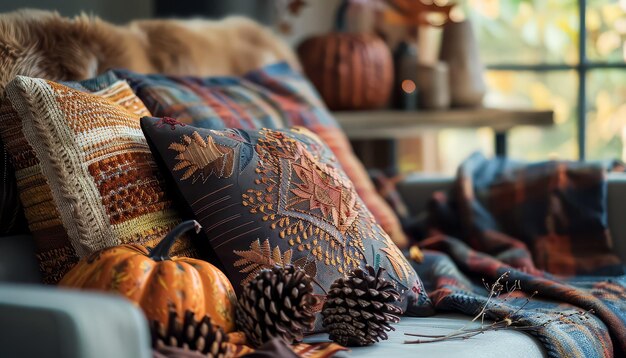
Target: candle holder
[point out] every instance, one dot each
(405, 83)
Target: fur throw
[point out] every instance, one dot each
(44, 44)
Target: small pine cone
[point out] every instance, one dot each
(277, 303)
(359, 308)
(201, 336)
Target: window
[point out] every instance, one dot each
(536, 57)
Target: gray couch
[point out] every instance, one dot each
(51, 322)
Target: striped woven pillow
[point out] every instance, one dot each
(84, 171)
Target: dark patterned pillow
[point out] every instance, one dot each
(274, 96)
(269, 197)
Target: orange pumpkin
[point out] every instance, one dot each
(350, 70)
(157, 282)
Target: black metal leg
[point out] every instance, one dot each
(393, 167)
(501, 144)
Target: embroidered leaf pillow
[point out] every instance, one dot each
(84, 171)
(268, 197)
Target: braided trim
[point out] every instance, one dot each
(76, 197)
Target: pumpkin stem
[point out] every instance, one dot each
(161, 251)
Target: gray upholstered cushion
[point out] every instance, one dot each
(506, 343)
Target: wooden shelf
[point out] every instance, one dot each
(390, 124)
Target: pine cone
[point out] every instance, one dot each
(194, 335)
(359, 308)
(277, 303)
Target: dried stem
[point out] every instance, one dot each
(508, 322)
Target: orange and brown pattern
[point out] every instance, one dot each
(309, 203)
(86, 176)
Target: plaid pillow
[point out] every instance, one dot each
(85, 174)
(268, 197)
(273, 97)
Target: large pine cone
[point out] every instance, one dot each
(359, 308)
(194, 335)
(277, 303)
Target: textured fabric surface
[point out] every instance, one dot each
(270, 197)
(451, 270)
(273, 97)
(85, 174)
(525, 219)
(547, 216)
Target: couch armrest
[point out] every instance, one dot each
(416, 190)
(616, 206)
(44, 321)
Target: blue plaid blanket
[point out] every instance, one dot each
(545, 225)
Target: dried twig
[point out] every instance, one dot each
(508, 322)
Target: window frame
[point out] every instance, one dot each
(583, 67)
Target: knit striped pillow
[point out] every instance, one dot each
(84, 172)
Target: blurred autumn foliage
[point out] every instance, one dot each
(529, 32)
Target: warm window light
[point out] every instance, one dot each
(486, 8)
(607, 42)
(408, 86)
(620, 25)
(457, 14)
(436, 19)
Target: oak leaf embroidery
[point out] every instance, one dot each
(397, 261)
(262, 256)
(307, 264)
(202, 158)
(259, 257)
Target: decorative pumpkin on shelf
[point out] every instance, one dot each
(159, 283)
(350, 70)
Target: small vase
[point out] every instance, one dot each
(459, 50)
(433, 86)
